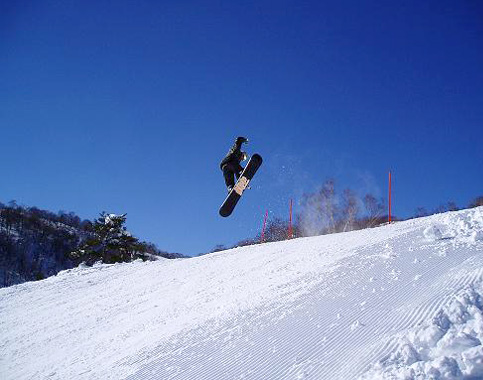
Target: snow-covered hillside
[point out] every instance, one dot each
(399, 301)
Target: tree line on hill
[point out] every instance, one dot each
(35, 243)
(325, 212)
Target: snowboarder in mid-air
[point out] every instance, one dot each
(230, 165)
(231, 168)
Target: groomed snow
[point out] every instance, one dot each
(402, 301)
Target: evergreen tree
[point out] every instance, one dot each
(110, 242)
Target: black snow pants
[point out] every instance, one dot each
(230, 169)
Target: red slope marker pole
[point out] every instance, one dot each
(389, 196)
(290, 232)
(262, 239)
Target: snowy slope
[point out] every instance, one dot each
(399, 301)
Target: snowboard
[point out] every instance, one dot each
(235, 194)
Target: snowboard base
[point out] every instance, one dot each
(235, 194)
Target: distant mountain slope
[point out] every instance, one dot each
(388, 302)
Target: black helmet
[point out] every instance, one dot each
(241, 140)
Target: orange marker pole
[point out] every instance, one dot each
(389, 196)
(290, 232)
(262, 239)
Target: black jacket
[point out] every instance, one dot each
(234, 155)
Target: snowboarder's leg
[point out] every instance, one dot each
(228, 173)
(238, 171)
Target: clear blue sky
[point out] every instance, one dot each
(129, 107)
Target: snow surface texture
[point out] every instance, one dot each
(402, 301)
